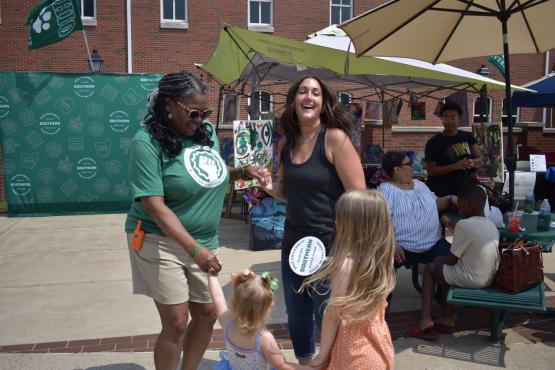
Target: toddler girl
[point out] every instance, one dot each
(248, 343)
(360, 266)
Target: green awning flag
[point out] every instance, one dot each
(498, 61)
(52, 21)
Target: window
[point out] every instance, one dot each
(504, 113)
(173, 13)
(88, 8)
(260, 13)
(344, 98)
(263, 104)
(88, 12)
(340, 11)
(486, 112)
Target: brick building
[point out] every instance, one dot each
(169, 35)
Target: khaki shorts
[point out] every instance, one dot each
(164, 271)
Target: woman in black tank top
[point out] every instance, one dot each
(318, 163)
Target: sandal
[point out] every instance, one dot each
(444, 328)
(428, 334)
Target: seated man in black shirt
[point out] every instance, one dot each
(452, 155)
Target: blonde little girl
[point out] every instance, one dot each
(360, 266)
(249, 345)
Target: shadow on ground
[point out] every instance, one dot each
(483, 351)
(123, 366)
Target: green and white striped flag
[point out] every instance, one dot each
(498, 61)
(52, 21)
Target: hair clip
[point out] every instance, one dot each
(270, 281)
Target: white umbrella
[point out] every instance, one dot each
(442, 30)
(335, 38)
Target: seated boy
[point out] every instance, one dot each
(471, 263)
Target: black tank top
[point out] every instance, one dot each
(312, 188)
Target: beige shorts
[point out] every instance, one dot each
(164, 271)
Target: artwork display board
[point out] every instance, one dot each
(489, 138)
(252, 145)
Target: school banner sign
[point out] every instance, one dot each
(52, 21)
(65, 140)
(498, 61)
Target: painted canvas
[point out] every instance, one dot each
(252, 145)
(267, 224)
(372, 111)
(231, 108)
(490, 141)
(226, 150)
(356, 111)
(391, 109)
(417, 109)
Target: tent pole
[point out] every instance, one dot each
(383, 123)
(510, 160)
(252, 107)
(220, 98)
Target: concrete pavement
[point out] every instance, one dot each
(67, 278)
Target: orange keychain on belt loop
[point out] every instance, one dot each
(138, 236)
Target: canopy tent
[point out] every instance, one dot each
(241, 55)
(544, 95)
(335, 38)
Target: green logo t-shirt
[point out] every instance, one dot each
(193, 185)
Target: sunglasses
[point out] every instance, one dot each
(409, 163)
(194, 114)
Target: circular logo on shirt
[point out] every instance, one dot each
(205, 166)
(307, 256)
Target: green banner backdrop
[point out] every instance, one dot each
(65, 140)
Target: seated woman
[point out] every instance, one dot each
(414, 211)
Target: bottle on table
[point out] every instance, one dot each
(529, 203)
(544, 217)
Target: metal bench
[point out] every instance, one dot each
(531, 300)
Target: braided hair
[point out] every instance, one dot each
(174, 86)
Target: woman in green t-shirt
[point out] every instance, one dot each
(178, 182)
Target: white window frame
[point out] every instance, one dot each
(261, 27)
(515, 116)
(88, 21)
(174, 23)
(341, 6)
(260, 103)
(476, 115)
(340, 93)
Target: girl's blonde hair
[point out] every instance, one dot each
(364, 236)
(251, 301)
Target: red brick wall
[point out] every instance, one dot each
(158, 50)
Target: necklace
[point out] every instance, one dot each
(304, 141)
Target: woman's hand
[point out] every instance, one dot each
(399, 254)
(463, 164)
(319, 362)
(207, 261)
(252, 171)
(265, 180)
